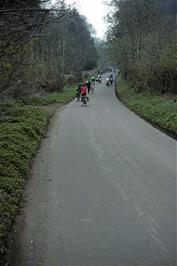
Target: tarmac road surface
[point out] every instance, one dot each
(102, 192)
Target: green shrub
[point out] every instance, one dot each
(51, 85)
(63, 97)
(70, 79)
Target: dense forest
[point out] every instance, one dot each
(42, 46)
(142, 43)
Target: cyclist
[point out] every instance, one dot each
(83, 89)
(84, 94)
(111, 79)
(78, 92)
(92, 86)
(93, 79)
(88, 84)
(108, 83)
(99, 78)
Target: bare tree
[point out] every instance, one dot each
(19, 25)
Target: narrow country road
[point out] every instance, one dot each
(102, 192)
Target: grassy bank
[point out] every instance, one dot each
(21, 129)
(64, 97)
(160, 110)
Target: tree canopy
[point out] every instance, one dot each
(40, 45)
(142, 38)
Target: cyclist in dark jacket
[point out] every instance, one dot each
(88, 84)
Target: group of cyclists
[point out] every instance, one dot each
(89, 87)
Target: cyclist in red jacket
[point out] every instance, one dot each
(83, 89)
(85, 99)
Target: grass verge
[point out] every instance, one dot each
(21, 129)
(20, 132)
(63, 97)
(161, 111)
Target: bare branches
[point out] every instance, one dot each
(40, 42)
(5, 11)
(17, 28)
